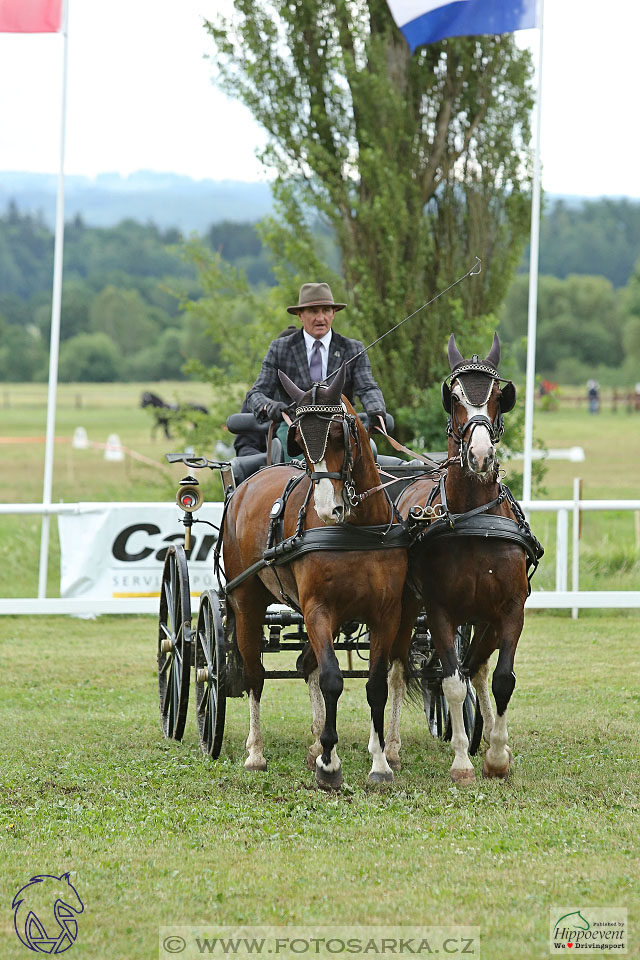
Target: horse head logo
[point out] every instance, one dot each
(44, 914)
(575, 919)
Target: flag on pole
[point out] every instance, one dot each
(426, 21)
(30, 16)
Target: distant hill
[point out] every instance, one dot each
(166, 199)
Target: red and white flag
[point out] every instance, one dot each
(31, 16)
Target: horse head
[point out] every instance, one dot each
(44, 913)
(325, 432)
(475, 402)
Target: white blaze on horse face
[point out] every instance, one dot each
(328, 507)
(480, 449)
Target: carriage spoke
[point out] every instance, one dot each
(167, 661)
(167, 695)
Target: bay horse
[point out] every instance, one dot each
(479, 579)
(330, 587)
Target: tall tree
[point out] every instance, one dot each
(418, 163)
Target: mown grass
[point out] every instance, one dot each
(155, 835)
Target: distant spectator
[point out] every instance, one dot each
(593, 394)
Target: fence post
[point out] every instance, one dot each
(575, 551)
(562, 549)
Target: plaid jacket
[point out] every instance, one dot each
(290, 355)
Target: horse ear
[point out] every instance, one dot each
(455, 357)
(446, 396)
(493, 357)
(294, 392)
(507, 398)
(335, 388)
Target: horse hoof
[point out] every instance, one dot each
(491, 773)
(462, 778)
(384, 777)
(328, 781)
(260, 765)
(395, 763)
(311, 761)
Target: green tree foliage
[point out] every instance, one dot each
(597, 237)
(163, 359)
(89, 357)
(22, 353)
(579, 321)
(631, 327)
(124, 317)
(417, 163)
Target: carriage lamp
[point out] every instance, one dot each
(190, 499)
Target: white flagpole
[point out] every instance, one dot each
(55, 324)
(533, 283)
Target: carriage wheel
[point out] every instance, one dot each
(435, 703)
(473, 721)
(436, 709)
(211, 696)
(174, 643)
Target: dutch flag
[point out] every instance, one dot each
(426, 21)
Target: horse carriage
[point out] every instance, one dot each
(311, 550)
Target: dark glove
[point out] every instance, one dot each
(374, 422)
(273, 410)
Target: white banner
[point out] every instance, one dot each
(118, 552)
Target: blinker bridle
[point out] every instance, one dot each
(477, 395)
(313, 419)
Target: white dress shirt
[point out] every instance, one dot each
(324, 348)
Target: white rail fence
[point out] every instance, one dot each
(562, 597)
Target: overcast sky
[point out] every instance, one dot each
(140, 96)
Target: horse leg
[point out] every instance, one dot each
(321, 631)
(249, 618)
(328, 764)
(454, 687)
(396, 680)
(307, 663)
(397, 690)
(497, 760)
(480, 681)
(377, 697)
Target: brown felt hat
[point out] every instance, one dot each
(315, 295)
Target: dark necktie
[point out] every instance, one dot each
(315, 363)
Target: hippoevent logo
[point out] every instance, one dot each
(575, 930)
(44, 914)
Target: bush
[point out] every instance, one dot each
(91, 357)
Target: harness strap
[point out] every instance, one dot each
(340, 538)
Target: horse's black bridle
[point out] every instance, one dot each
(458, 432)
(330, 413)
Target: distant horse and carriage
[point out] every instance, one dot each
(164, 413)
(433, 554)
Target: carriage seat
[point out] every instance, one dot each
(244, 467)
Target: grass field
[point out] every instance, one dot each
(155, 835)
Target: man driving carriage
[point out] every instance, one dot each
(309, 356)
